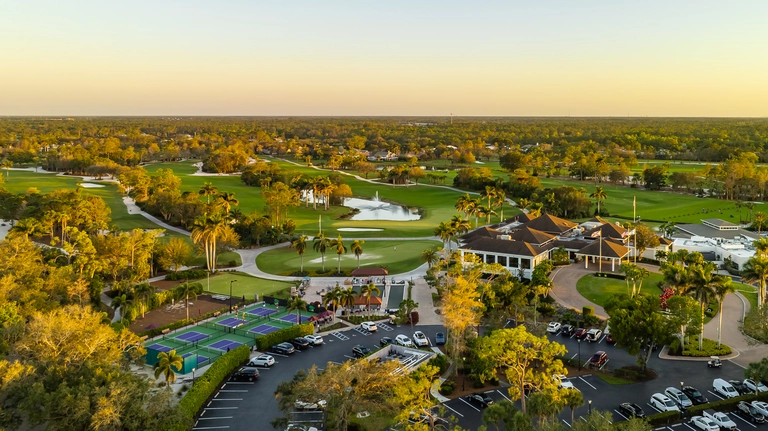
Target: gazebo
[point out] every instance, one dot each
(604, 249)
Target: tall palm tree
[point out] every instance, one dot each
(490, 194)
(367, 292)
(207, 230)
(459, 226)
(332, 299)
(702, 288)
(347, 297)
(166, 363)
(142, 292)
(321, 246)
(463, 204)
(487, 212)
(7, 165)
(338, 244)
(208, 190)
(756, 270)
(185, 291)
(27, 227)
(721, 291)
(473, 210)
(761, 246)
(357, 248)
(759, 221)
(599, 195)
(297, 304)
(430, 256)
(523, 203)
(300, 245)
(444, 232)
(501, 197)
(124, 302)
(227, 200)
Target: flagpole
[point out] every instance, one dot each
(600, 264)
(320, 223)
(634, 221)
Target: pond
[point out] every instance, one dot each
(374, 209)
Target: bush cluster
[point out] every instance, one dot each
(440, 361)
(187, 274)
(692, 348)
(207, 384)
(277, 337)
(447, 387)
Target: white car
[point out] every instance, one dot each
(594, 335)
(553, 327)
(304, 405)
(314, 339)
(721, 419)
(704, 423)
(678, 397)
(662, 403)
(563, 382)
(369, 326)
(419, 339)
(761, 406)
(300, 427)
(262, 361)
(403, 340)
(749, 383)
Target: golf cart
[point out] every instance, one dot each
(714, 362)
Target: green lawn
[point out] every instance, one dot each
(613, 380)
(285, 261)
(599, 289)
(245, 285)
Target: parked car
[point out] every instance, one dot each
(695, 396)
(609, 339)
(704, 423)
(479, 400)
(261, 361)
(245, 374)
(385, 341)
(311, 406)
(439, 338)
(724, 388)
(314, 339)
(721, 419)
(563, 382)
(300, 343)
(662, 403)
(359, 351)
(283, 348)
(369, 326)
(419, 339)
(594, 335)
(300, 427)
(714, 362)
(403, 340)
(678, 397)
(631, 410)
(553, 327)
(580, 333)
(761, 407)
(440, 423)
(750, 413)
(740, 387)
(598, 359)
(750, 384)
(567, 330)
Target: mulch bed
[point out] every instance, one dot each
(165, 315)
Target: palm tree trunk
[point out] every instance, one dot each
(720, 323)
(302, 262)
(186, 303)
(701, 335)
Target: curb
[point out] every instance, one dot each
(664, 355)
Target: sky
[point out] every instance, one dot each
(679, 58)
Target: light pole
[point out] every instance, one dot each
(193, 376)
(230, 295)
(579, 342)
(463, 374)
(681, 386)
(590, 407)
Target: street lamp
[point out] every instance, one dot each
(579, 342)
(681, 386)
(230, 294)
(463, 374)
(590, 407)
(193, 376)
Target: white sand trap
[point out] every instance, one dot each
(91, 185)
(332, 257)
(359, 229)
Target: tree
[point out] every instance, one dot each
(757, 371)
(175, 254)
(208, 190)
(527, 360)
(357, 248)
(347, 297)
(27, 227)
(206, 231)
(321, 244)
(367, 292)
(506, 413)
(461, 309)
(634, 274)
(644, 238)
(167, 361)
(655, 177)
(142, 292)
(573, 398)
(300, 245)
(125, 303)
(7, 165)
(444, 232)
(331, 300)
(684, 314)
(464, 204)
(413, 398)
(703, 288)
(599, 195)
(227, 200)
(722, 289)
(430, 256)
(185, 291)
(637, 324)
(338, 244)
(756, 269)
(297, 304)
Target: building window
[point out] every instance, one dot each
(502, 260)
(525, 263)
(513, 262)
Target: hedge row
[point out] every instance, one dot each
(188, 274)
(719, 405)
(263, 342)
(207, 384)
(159, 330)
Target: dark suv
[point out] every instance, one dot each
(300, 343)
(282, 348)
(359, 351)
(567, 330)
(695, 396)
(246, 374)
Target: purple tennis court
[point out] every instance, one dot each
(264, 329)
(262, 311)
(231, 322)
(160, 348)
(291, 318)
(225, 344)
(192, 336)
(200, 358)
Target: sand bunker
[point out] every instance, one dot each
(91, 185)
(359, 229)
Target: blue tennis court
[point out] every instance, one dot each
(264, 329)
(291, 318)
(200, 358)
(225, 344)
(262, 311)
(192, 337)
(160, 348)
(231, 322)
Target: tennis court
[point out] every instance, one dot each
(232, 322)
(261, 311)
(291, 318)
(225, 345)
(264, 329)
(192, 336)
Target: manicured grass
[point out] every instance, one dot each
(613, 380)
(285, 261)
(599, 289)
(749, 292)
(245, 285)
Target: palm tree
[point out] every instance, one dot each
(123, 302)
(338, 244)
(321, 246)
(298, 304)
(756, 269)
(721, 291)
(573, 398)
(347, 297)
(27, 227)
(300, 244)
(474, 209)
(760, 221)
(367, 292)
(599, 195)
(357, 248)
(702, 288)
(761, 246)
(484, 211)
(444, 232)
(185, 291)
(431, 256)
(208, 190)
(165, 365)
(6, 164)
(331, 299)
(523, 203)
(227, 200)
(142, 292)
(501, 197)
(490, 194)
(464, 203)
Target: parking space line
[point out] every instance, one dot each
(217, 417)
(451, 409)
(653, 407)
(694, 429)
(219, 408)
(745, 421)
(233, 390)
(350, 357)
(212, 428)
(569, 425)
(334, 362)
(715, 394)
(582, 379)
(278, 354)
(465, 402)
(619, 413)
(226, 399)
(237, 383)
(502, 394)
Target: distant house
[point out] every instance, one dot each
(383, 156)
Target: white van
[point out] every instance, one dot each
(724, 388)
